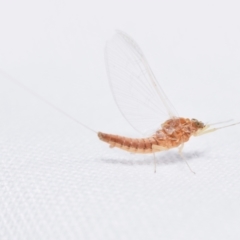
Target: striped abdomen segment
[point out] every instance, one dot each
(135, 145)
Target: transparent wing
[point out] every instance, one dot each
(137, 94)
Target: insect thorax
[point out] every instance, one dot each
(178, 129)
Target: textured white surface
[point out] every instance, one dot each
(58, 181)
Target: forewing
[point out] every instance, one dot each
(137, 94)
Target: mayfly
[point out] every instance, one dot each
(142, 103)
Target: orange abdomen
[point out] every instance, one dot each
(134, 145)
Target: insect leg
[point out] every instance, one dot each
(180, 153)
(205, 131)
(156, 148)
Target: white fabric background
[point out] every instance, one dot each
(58, 181)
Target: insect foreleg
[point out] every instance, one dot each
(180, 149)
(180, 153)
(204, 131)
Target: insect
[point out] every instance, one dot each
(142, 103)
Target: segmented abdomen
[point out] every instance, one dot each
(135, 145)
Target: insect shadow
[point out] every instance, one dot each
(163, 159)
